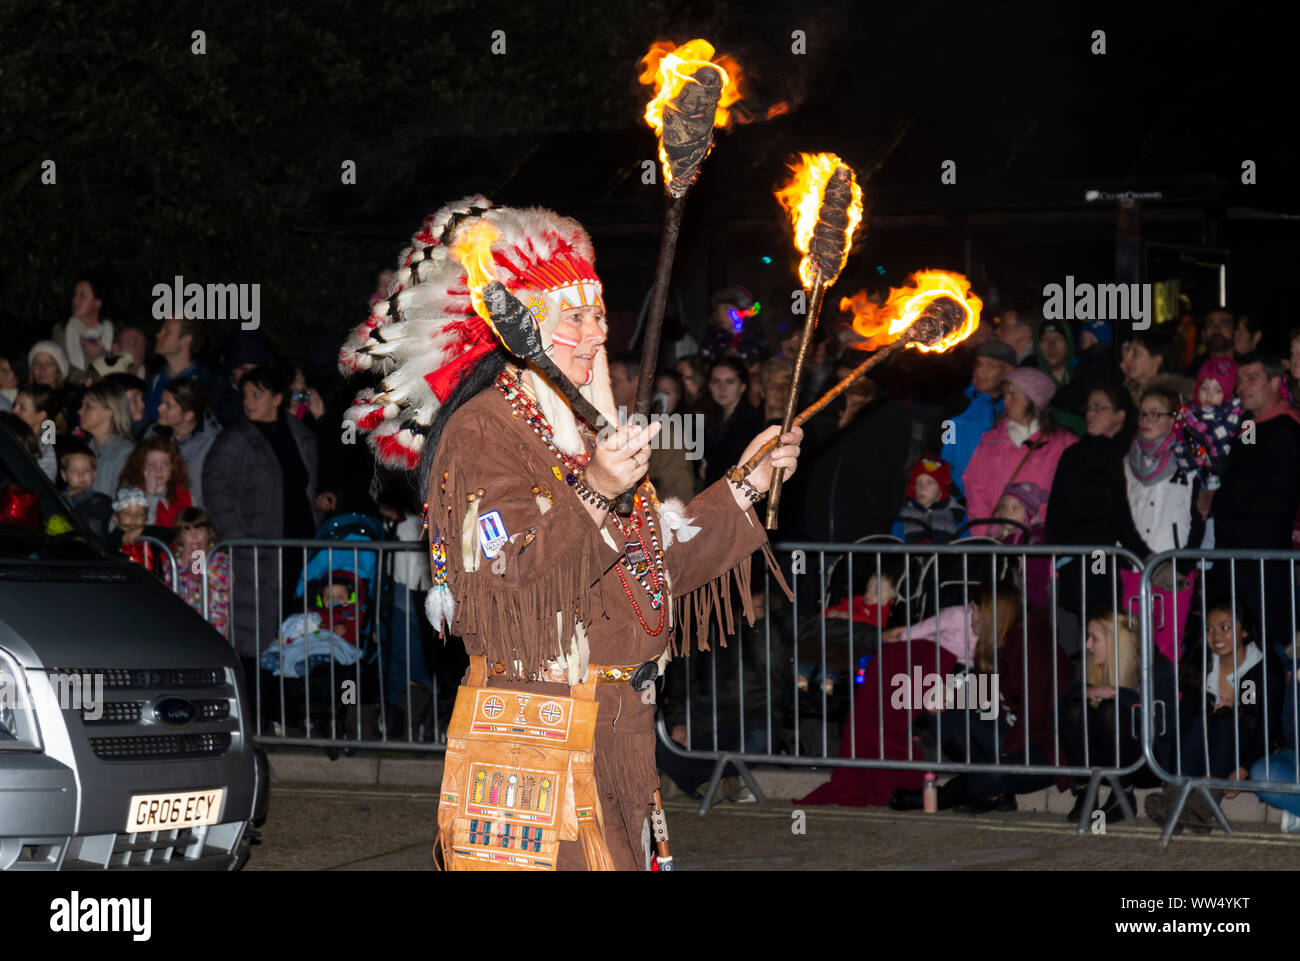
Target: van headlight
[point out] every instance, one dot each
(18, 731)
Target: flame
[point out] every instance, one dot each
(802, 196)
(884, 324)
(473, 249)
(670, 67)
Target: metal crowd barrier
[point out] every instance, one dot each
(168, 557)
(310, 692)
(757, 712)
(931, 578)
(1258, 590)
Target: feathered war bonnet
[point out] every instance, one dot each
(426, 336)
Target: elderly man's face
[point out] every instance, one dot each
(576, 338)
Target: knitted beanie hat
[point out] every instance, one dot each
(1029, 494)
(54, 350)
(1034, 384)
(996, 350)
(1222, 369)
(935, 467)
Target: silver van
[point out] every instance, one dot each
(125, 734)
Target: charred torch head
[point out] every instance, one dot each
(941, 317)
(513, 322)
(688, 127)
(831, 234)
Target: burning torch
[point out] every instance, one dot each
(693, 92)
(933, 314)
(825, 203)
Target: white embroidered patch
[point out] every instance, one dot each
(491, 533)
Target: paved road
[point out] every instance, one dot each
(329, 827)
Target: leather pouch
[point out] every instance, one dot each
(519, 778)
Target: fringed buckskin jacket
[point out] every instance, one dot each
(552, 592)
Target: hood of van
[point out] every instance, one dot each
(93, 614)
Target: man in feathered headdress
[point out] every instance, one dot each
(567, 609)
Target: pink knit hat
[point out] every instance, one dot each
(1222, 369)
(1029, 494)
(1034, 384)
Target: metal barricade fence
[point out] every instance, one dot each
(753, 708)
(362, 680)
(1102, 744)
(165, 552)
(1239, 735)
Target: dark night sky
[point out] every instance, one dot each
(227, 165)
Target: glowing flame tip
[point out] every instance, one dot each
(882, 324)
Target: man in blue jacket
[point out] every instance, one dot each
(993, 359)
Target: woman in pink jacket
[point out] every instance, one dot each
(1024, 445)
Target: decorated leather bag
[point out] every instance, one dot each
(519, 778)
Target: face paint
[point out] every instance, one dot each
(562, 340)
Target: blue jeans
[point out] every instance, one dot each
(1280, 767)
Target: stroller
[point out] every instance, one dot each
(324, 686)
(947, 580)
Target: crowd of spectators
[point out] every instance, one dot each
(1104, 437)
(1032, 432)
(187, 445)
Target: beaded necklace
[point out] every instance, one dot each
(647, 568)
(523, 406)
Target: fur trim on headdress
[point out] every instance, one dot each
(425, 337)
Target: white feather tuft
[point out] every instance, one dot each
(440, 607)
(673, 522)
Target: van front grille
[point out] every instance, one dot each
(160, 746)
(131, 712)
(116, 678)
(115, 712)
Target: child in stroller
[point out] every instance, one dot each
(340, 600)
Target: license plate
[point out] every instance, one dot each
(165, 812)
